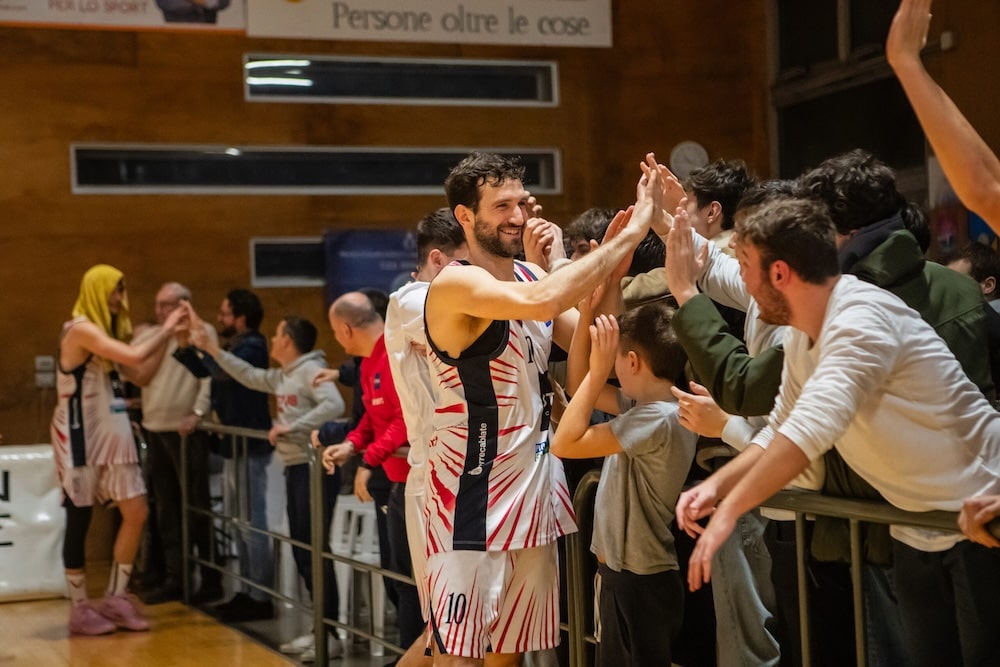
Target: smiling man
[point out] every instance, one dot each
(496, 500)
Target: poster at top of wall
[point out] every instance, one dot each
(212, 15)
(503, 22)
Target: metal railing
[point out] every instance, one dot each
(802, 503)
(579, 590)
(238, 521)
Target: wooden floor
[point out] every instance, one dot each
(33, 634)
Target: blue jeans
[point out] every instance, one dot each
(744, 597)
(884, 644)
(255, 555)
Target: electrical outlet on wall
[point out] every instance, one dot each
(45, 379)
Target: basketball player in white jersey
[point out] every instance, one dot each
(496, 500)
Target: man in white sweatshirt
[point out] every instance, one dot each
(865, 374)
(302, 408)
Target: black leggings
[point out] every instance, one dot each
(74, 544)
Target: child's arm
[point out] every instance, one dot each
(575, 437)
(578, 361)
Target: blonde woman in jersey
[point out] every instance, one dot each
(95, 453)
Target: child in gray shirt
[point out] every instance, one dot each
(639, 588)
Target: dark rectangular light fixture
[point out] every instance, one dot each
(307, 170)
(413, 81)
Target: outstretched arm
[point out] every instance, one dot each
(575, 437)
(89, 337)
(578, 363)
(971, 167)
(741, 384)
(461, 298)
(780, 464)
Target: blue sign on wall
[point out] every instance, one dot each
(355, 259)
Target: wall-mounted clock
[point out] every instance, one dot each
(686, 157)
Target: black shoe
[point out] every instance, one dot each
(209, 592)
(244, 608)
(169, 591)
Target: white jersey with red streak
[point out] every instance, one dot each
(492, 484)
(90, 426)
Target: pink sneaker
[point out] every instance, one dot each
(85, 620)
(120, 610)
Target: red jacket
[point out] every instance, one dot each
(381, 430)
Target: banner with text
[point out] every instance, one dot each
(218, 15)
(514, 22)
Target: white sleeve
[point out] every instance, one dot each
(721, 279)
(738, 432)
(857, 350)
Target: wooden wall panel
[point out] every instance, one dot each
(679, 70)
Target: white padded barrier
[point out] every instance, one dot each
(354, 533)
(32, 524)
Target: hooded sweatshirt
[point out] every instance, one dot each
(301, 406)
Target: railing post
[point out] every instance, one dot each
(316, 543)
(859, 605)
(576, 552)
(185, 522)
(800, 569)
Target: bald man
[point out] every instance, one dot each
(359, 329)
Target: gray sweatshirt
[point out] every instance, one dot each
(301, 406)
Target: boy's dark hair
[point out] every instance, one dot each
(440, 230)
(859, 190)
(722, 181)
(591, 224)
(649, 254)
(647, 331)
(984, 261)
(478, 169)
(762, 192)
(301, 331)
(245, 303)
(796, 231)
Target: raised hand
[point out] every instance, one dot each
(649, 191)
(532, 208)
(604, 336)
(673, 191)
(543, 242)
(683, 265)
(178, 319)
(908, 33)
(198, 332)
(618, 223)
(699, 412)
